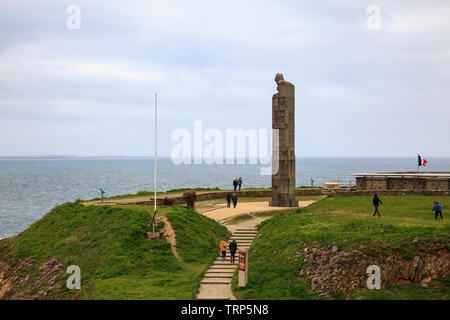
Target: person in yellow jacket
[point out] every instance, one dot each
(223, 248)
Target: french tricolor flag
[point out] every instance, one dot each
(421, 161)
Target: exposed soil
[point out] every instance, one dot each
(170, 236)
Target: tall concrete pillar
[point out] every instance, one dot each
(283, 119)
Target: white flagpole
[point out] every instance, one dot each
(156, 137)
(156, 141)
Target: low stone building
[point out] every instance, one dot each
(403, 181)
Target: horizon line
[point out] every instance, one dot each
(66, 157)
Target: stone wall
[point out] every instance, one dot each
(267, 193)
(438, 184)
(402, 184)
(298, 192)
(377, 184)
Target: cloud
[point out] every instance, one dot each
(215, 62)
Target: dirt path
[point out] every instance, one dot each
(220, 212)
(170, 236)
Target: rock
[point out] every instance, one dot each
(424, 282)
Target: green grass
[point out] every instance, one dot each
(346, 222)
(161, 210)
(115, 259)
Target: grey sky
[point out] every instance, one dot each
(359, 92)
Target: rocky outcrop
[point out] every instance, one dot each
(337, 272)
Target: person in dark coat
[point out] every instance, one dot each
(437, 208)
(228, 199)
(235, 199)
(233, 248)
(235, 183)
(376, 202)
(240, 183)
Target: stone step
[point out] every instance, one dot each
(244, 246)
(222, 263)
(222, 267)
(216, 275)
(246, 229)
(246, 232)
(243, 236)
(220, 271)
(213, 298)
(226, 259)
(216, 281)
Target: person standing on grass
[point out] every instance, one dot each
(235, 199)
(223, 248)
(228, 199)
(102, 193)
(376, 202)
(437, 208)
(240, 183)
(235, 183)
(233, 248)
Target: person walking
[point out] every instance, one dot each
(235, 199)
(228, 199)
(376, 202)
(233, 248)
(223, 248)
(235, 183)
(437, 208)
(240, 183)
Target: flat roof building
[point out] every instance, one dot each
(403, 181)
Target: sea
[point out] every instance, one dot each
(29, 188)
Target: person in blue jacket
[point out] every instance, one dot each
(437, 210)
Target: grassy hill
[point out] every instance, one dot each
(336, 239)
(115, 259)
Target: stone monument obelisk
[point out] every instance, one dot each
(283, 161)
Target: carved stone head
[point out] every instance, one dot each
(278, 78)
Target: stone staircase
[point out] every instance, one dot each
(216, 285)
